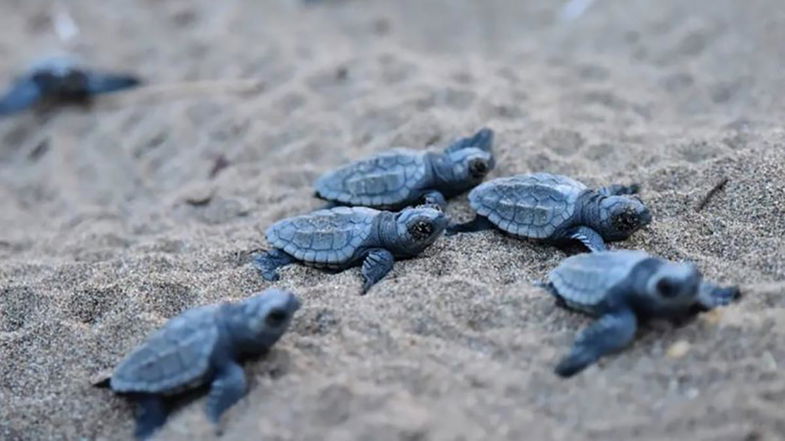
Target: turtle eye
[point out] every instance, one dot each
(627, 220)
(478, 168)
(420, 230)
(276, 318)
(667, 288)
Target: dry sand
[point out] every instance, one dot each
(99, 244)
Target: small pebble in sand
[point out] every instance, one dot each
(713, 317)
(678, 349)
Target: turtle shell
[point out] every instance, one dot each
(387, 180)
(327, 237)
(174, 358)
(532, 205)
(584, 280)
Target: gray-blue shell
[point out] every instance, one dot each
(584, 280)
(532, 205)
(327, 237)
(388, 179)
(174, 358)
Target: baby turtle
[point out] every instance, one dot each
(404, 177)
(556, 209)
(56, 80)
(343, 237)
(621, 288)
(202, 346)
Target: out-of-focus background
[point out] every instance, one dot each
(117, 217)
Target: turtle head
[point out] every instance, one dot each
(72, 83)
(416, 228)
(260, 320)
(467, 167)
(620, 216)
(59, 76)
(674, 283)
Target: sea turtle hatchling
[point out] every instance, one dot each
(403, 177)
(202, 346)
(342, 237)
(621, 288)
(60, 79)
(554, 208)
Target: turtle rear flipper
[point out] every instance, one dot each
(610, 333)
(268, 263)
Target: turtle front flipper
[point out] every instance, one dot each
(479, 223)
(268, 263)
(151, 415)
(619, 189)
(435, 198)
(226, 389)
(106, 82)
(378, 262)
(610, 333)
(711, 296)
(22, 94)
(590, 238)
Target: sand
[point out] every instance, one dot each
(115, 218)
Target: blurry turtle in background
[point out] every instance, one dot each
(59, 80)
(342, 237)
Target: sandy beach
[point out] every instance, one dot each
(119, 216)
